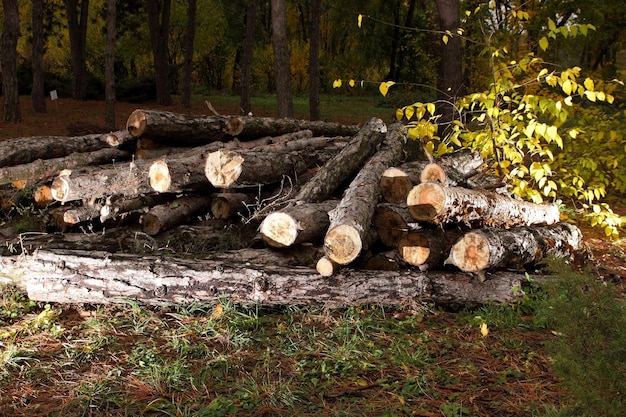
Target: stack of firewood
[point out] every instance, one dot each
(343, 193)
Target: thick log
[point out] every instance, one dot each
(351, 220)
(227, 205)
(441, 205)
(181, 129)
(166, 216)
(19, 151)
(125, 179)
(265, 126)
(45, 169)
(103, 277)
(307, 222)
(492, 248)
(427, 248)
(392, 222)
(395, 185)
(344, 164)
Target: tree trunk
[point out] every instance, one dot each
(441, 205)
(351, 220)
(190, 33)
(282, 69)
(269, 126)
(343, 165)
(166, 216)
(109, 66)
(304, 223)
(314, 60)
(8, 61)
(159, 23)
(246, 59)
(492, 248)
(101, 277)
(180, 129)
(42, 170)
(38, 94)
(77, 27)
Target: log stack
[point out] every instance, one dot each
(321, 204)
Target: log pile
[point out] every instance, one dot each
(312, 212)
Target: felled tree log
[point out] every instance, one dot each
(227, 205)
(166, 216)
(351, 220)
(392, 222)
(427, 248)
(19, 151)
(492, 248)
(103, 277)
(181, 129)
(439, 204)
(306, 222)
(266, 126)
(44, 169)
(344, 164)
(124, 179)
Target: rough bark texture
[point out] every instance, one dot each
(44, 169)
(102, 277)
(159, 23)
(306, 222)
(489, 248)
(166, 216)
(351, 220)
(8, 61)
(344, 164)
(282, 69)
(433, 202)
(269, 126)
(427, 248)
(38, 91)
(228, 205)
(109, 65)
(180, 129)
(183, 172)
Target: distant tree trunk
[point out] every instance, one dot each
(159, 22)
(77, 26)
(450, 71)
(185, 99)
(8, 61)
(282, 72)
(109, 67)
(314, 60)
(246, 59)
(38, 93)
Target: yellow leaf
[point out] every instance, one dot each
(431, 108)
(351, 83)
(568, 100)
(567, 87)
(218, 311)
(484, 330)
(543, 43)
(589, 85)
(384, 87)
(445, 39)
(409, 111)
(399, 114)
(336, 83)
(551, 25)
(591, 96)
(360, 20)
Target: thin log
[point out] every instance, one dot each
(392, 222)
(307, 222)
(166, 216)
(43, 196)
(434, 172)
(344, 164)
(180, 129)
(124, 179)
(228, 205)
(45, 169)
(441, 205)
(326, 267)
(103, 277)
(19, 151)
(351, 220)
(427, 248)
(492, 248)
(119, 139)
(265, 126)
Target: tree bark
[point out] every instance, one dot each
(190, 33)
(102, 277)
(180, 129)
(343, 165)
(246, 59)
(109, 66)
(351, 220)
(282, 69)
(38, 94)
(392, 222)
(492, 248)
(427, 248)
(8, 61)
(159, 23)
(441, 205)
(314, 60)
(228, 205)
(268, 126)
(166, 216)
(77, 27)
(292, 225)
(44, 169)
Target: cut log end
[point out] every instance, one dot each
(326, 267)
(414, 249)
(223, 168)
(234, 126)
(136, 123)
(159, 176)
(60, 188)
(471, 253)
(343, 244)
(433, 172)
(43, 196)
(151, 224)
(426, 200)
(395, 185)
(279, 230)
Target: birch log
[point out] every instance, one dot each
(439, 204)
